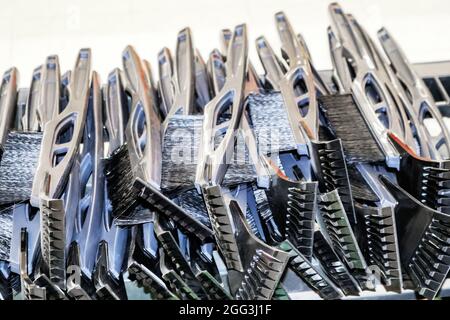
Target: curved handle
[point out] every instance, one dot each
(216, 69)
(30, 118)
(342, 75)
(8, 93)
(184, 73)
(397, 57)
(202, 85)
(341, 28)
(418, 97)
(116, 110)
(225, 38)
(152, 87)
(165, 69)
(214, 160)
(113, 243)
(50, 91)
(271, 64)
(237, 53)
(291, 47)
(91, 165)
(183, 81)
(298, 87)
(143, 132)
(62, 134)
(363, 71)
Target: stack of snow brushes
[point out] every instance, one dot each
(215, 182)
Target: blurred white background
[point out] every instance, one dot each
(31, 30)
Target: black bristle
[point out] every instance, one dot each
(120, 180)
(192, 202)
(14, 282)
(160, 203)
(126, 192)
(270, 122)
(137, 215)
(6, 291)
(179, 152)
(18, 165)
(361, 191)
(182, 141)
(349, 125)
(6, 227)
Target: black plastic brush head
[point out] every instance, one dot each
(361, 190)
(6, 229)
(6, 292)
(349, 125)
(120, 181)
(126, 192)
(19, 158)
